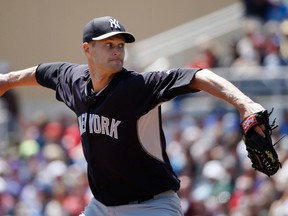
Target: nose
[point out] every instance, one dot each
(117, 51)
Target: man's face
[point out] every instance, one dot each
(107, 55)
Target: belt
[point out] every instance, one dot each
(146, 198)
(140, 200)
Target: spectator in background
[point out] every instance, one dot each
(283, 43)
(284, 126)
(265, 10)
(9, 114)
(247, 47)
(277, 11)
(255, 9)
(206, 57)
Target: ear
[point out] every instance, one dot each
(85, 47)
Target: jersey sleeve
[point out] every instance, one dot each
(171, 83)
(58, 76)
(47, 74)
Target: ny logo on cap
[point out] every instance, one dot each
(114, 24)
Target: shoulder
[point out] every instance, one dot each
(61, 72)
(169, 74)
(62, 68)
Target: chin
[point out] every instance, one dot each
(117, 68)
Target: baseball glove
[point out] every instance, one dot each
(260, 150)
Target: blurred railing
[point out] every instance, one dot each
(258, 81)
(267, 86)
(187, 36)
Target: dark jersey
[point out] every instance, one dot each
(122, 138)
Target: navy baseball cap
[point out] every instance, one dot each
(104, 27)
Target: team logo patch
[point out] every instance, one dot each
(248, 123)
(114, 24)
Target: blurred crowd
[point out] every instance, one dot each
(42, 169)
(43, 172)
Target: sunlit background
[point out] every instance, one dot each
(42, 170)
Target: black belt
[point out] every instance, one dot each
(138, 201)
